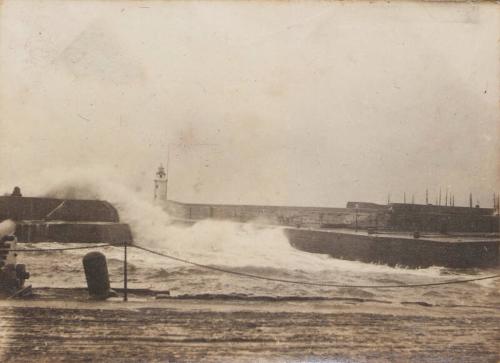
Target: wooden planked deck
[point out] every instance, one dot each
(176, 330)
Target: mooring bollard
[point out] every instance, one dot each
(96, 273)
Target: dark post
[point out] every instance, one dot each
(125, 272)
(96, 273)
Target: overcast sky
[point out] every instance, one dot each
(298, 103)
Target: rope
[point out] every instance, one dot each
(54, 249)
(243, 274)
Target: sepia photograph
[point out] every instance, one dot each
(249, 181)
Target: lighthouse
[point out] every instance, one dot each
(161, 182)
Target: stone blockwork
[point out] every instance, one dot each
(444, 219)
(333, 231)
(395, 216)
(30, 208)
(73, 232)
(280, 215)
(64, 220)
(397, 250)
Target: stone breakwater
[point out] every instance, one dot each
(64, 220)
(399, 249)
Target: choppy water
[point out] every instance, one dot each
(239, 247)
(272, 257)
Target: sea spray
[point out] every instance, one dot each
(243, 247)
(7, 227)
(211, 242)
(222, 243)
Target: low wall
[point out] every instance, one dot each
(435, 222)
(64, 220)
(431, 218)
(28, 208)
(438, 209)
(67, 232)
(396, 216)
(280, 215)
(396, 251)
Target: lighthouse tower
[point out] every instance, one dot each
(161, 182)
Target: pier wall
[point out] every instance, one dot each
(429, 218)
(397, 217)
(72, 232)
(28, 208)
(396, 251)
(281, 215)
(64, 220)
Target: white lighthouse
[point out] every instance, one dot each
(161, 182)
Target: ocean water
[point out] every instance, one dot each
(246, 248)
(265, 252)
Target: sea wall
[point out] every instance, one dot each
(430, 218)
(396, 251)
(64, 220)
(29, 208)
(68, 232)
(282, 215)
(395, 216)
